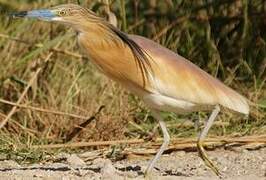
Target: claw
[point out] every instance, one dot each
(206, 160)
(147, 175)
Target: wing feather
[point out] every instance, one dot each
(176, 77)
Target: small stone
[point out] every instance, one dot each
(130, 174)
(99, 162)
(9, 164)
(83, 173)
(90, 154)
(245, 151)
(74, 160)
(225, 169)
(108, 167)
(180, 153)
(35, 166)
(108, 171)
(263, 166)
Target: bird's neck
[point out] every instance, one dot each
(98, 34)
(104, 48)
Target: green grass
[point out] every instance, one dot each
(225, 38)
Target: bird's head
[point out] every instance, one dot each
(70, 14)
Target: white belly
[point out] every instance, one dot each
(164, 103)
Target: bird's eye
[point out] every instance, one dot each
(62, 13)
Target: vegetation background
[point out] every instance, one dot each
(227, 38)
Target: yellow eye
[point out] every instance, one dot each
(62, 13)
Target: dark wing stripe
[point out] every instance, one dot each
(142, 58)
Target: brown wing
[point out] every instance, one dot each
(176, 77)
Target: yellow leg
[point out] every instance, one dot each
(203, 155)
(203, 134)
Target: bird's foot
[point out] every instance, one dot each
(206, 159)
(147, 175)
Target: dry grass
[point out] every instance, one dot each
(225, 38)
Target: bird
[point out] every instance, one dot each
(162, 79)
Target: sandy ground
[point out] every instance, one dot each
(235, 165)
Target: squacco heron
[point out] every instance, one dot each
(164, 80)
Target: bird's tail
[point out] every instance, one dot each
(234, 101)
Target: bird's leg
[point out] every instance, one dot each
(166, 139)
(202, 135)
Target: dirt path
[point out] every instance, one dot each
(235, 165)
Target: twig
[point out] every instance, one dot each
(30, 131)
(168, 27)
(24, 93)
(43, 110)
(185, 16)
(184, 141)
(41, 45)
(189, 124)
(247, 139)
(89, 144)
(132, 27)
(83, 125)
(148, 151)
(13, 110)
